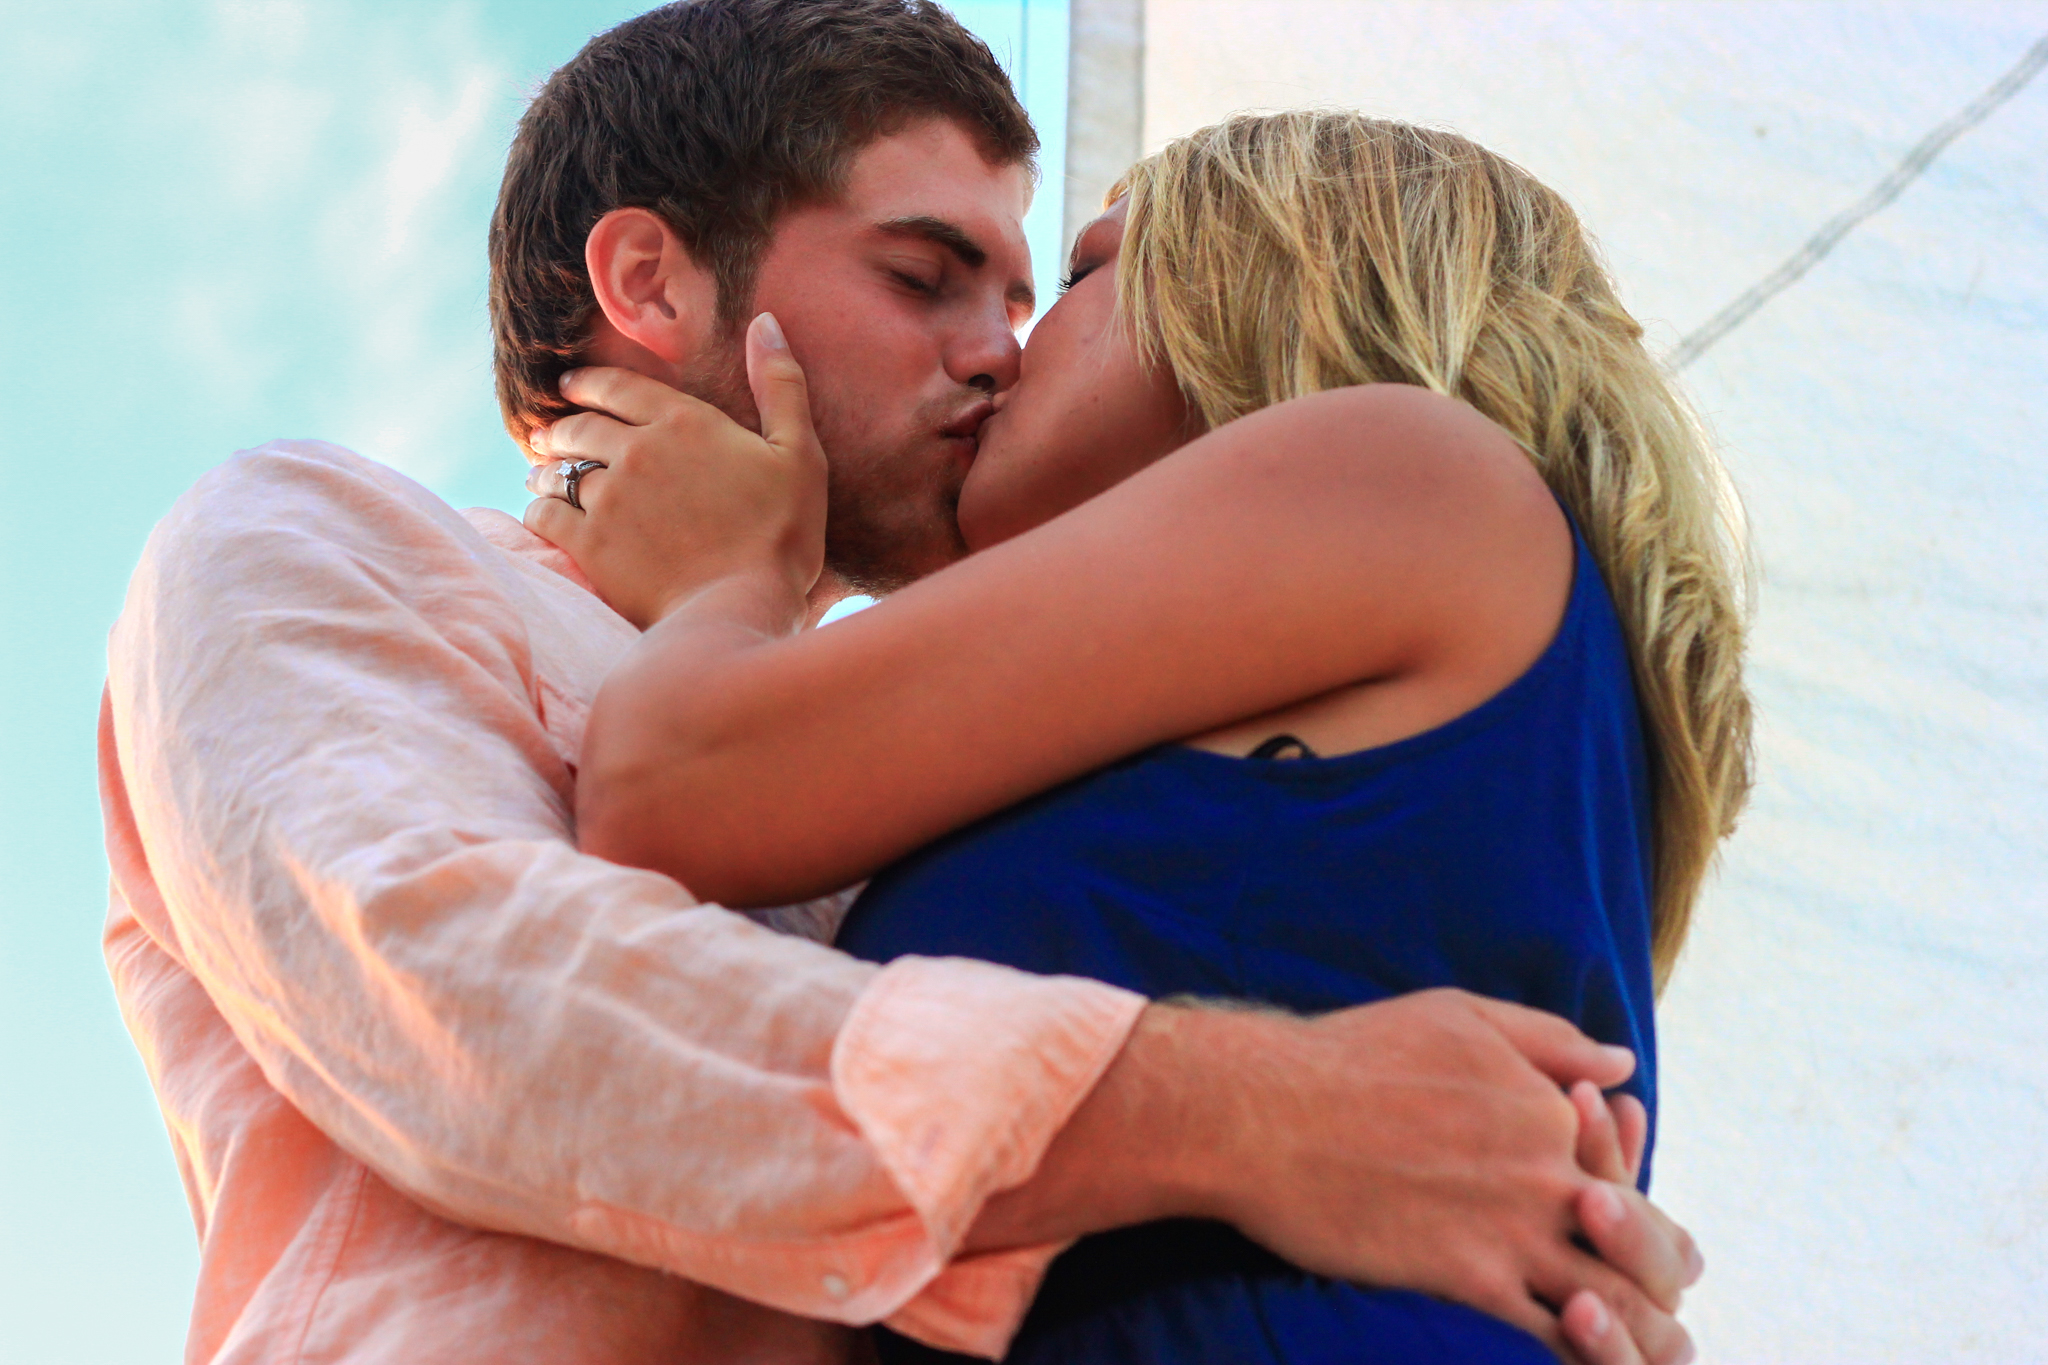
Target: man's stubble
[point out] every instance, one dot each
(892, 504)
(892, 498)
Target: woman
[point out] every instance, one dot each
(1415, 445)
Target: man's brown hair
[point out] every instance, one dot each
(718, 115)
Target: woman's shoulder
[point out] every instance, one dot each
(1409, 455)
(1392, 424)
(1432, 524)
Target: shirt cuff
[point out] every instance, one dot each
(977, 1303)
(959, 1074)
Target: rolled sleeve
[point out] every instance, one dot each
(1016, 1054)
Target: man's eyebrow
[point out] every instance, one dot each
(953, 238)
(939, 232)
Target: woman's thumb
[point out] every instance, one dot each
(780, 394)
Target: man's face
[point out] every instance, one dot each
(902, 301)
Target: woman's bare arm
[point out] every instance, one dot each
(1383, 533)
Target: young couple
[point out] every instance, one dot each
(1349, 618)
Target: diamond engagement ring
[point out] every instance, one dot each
(572, 472)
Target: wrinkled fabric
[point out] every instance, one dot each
(441, 1088)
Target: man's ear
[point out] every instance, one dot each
(648, 287)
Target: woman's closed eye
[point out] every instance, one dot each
(1075, 274)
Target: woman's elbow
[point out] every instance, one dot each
(640, 813)
(611, 812)
(634, 771)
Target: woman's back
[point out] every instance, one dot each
(1507, 853)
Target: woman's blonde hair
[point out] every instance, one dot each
(1277, 255)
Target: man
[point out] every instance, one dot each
(443, 1089)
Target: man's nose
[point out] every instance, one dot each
(985, 355)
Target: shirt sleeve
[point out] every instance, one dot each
(329, 725)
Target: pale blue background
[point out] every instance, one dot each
(222, 223)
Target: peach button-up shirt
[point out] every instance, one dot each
(443, 1089)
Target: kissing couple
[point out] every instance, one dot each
(1249, 834)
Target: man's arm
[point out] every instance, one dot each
(346, 762)
(1422, 1142)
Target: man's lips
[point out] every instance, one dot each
(962, 435)
(968, 423)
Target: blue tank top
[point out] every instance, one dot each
(1507, 852)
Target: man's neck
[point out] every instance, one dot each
(826, 593)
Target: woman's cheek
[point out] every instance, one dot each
(981, 503)
(1008, 495)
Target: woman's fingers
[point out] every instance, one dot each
(632, 398)
(574, 483)
(1601, 1151)
(1633, 1121)
(1633, 1235)
(582, 436)
(556, 521)
(1653, 1328)
(781, 394)
(1592, 1331)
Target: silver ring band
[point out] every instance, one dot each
(572, 472)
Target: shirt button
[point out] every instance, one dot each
(836, 1286)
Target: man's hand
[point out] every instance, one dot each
(687, 497)
(1424, 1142)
